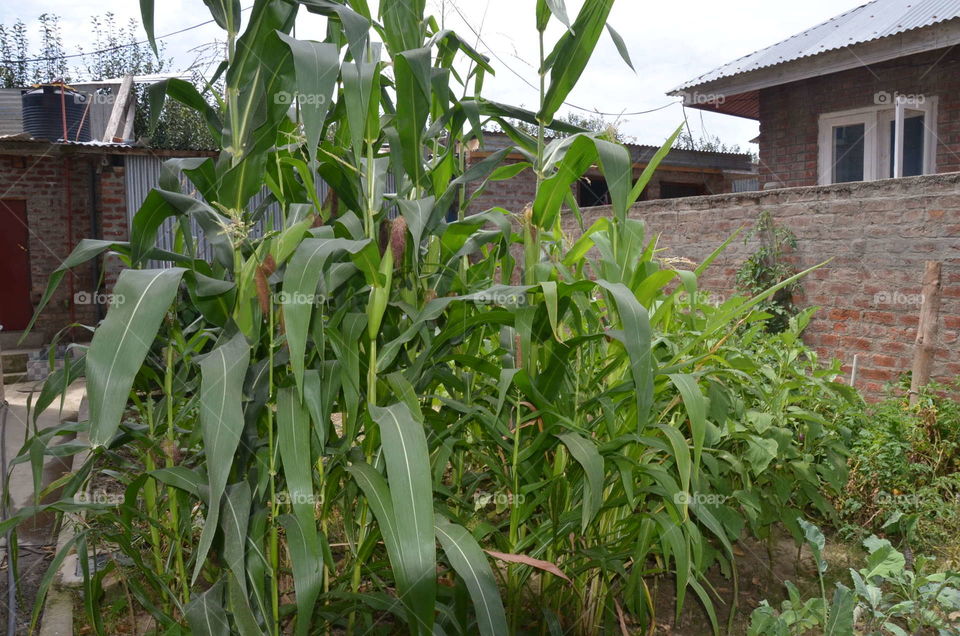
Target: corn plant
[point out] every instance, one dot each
(301, 420)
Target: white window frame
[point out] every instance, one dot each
(876, 124)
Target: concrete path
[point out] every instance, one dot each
(21, 479)
(35, 537)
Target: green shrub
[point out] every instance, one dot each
(905, 461)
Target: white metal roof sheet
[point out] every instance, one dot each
(874, 20)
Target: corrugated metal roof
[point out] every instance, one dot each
(874, 20)
(26, 137)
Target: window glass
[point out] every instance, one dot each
(848, 153)
(912, 145)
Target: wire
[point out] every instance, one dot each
(531, 85)
(113, 48)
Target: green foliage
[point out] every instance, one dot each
(887, 596)
(706, 143)
(297, 422)
(768, 265)
(905, 462)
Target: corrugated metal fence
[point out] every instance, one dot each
(142, 174)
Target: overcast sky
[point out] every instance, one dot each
(669, 42)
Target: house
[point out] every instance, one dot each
(57, 188)
(872, 93)
(682, 173)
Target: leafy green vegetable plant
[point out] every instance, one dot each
(887, 598)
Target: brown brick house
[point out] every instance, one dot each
(870, 94)
(52, 195)
(682, 173)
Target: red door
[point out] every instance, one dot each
(15, 307)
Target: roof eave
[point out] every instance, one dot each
(705, 94)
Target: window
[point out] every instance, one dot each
(593, 191)
(862, 144)
(848, 153)
(672, 190)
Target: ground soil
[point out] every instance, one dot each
(762, 574)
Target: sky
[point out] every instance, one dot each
(669, 43)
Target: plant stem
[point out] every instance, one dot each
(150, 492)
(274, 532)
(172, 496)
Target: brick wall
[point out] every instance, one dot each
(57, 192)
(879, 234)
(789, 114)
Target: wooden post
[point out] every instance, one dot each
(119, 108)
(926, 343)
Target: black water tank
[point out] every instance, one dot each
(43, 109)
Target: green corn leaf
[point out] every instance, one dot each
(121, 343)
(570, 55)
(547, 7)
(146, 16)
(696, 405)
(674, 543)
(226, 13)
(293, 439)
(572, 157)
(621, 46)
(57, 383)
(431, 311)
(205, 613)
(188, 95)
(360, 79)
(186, 479)
(652, 166)
(306, 559)
(355, 26)
(467, 558)
(378, 495)
(637, 341)
(300, 292)
(221, 420)
(411, 490)
(236, 515)
(402, 21)
(618, 170)
(85, 250)
(317, 68)
(681, 454)
(240, 608)
(585, 452)
(412, 69)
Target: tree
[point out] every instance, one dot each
(705, 143)
(116, 51)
